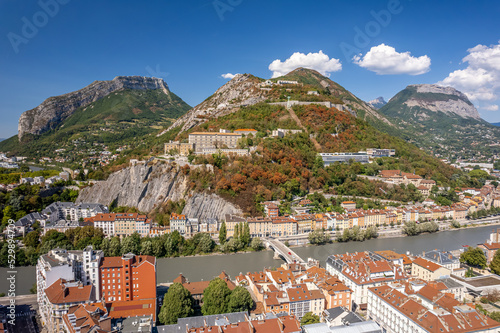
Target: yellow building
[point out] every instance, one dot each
(202, 140)
(180, 148)
(427, 270)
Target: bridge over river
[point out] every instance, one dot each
(282, 251)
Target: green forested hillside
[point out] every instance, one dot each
(122, 118)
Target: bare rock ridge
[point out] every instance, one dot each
(241, 90)
(146, 186)
(54, 110)
(455, 102)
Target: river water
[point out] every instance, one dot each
(207, 267)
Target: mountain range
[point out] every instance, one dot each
(126, 110)
(441, 120)
(122, 111)
(142, 114)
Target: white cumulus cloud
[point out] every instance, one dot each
(480, 80)
(228, 75)
(318, 61)
(490, 108)
(384, 59)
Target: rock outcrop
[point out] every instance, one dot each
(146, 186)
(241, 90)
(55, 110)
(446, 99)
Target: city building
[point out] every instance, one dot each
(87, 318)
(225, 151)
(443, 258)
(245, 131)
(236, 322)
(178, 222)
(128, 285)
(121, 224)
(491, 246)
(176, 147)
(397, 309)
(202, 140)
(331, 158)
(427, 270)
(348, 205)
(72, 212)
(362, 270)
(280, 133)
(59, 297)
(197, 288)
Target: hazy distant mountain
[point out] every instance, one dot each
(377, 103)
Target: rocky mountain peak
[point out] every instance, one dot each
(441, 99)
(243, 89)
(378, 102)
(55, 110)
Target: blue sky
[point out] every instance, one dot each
(190, 44)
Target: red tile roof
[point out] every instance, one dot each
(59, 293)
(429, 265)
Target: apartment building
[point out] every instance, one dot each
(202, 140)
(178, 222)
(73, 212)
(283, 226)
(362, 270)
(181, 148)
(59, 297)
(122, 224)
(296, 300)
(397, 310)
(128, 285)
(427, 270)
(86, 318)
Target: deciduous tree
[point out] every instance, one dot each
(177, 303)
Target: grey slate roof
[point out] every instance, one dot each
(440, 257)
(333, 313)
(201, 321)
(362, 327)
(450, 283)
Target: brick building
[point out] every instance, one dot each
(128, 285)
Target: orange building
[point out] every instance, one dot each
(128, 285)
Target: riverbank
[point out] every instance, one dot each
(198, 268)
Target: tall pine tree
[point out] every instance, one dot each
(222, 233)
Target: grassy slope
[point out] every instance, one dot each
(125, 116)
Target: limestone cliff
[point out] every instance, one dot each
(146, 186)
(55, 110)
(442, 99)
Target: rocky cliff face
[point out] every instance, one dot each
(444, 99)
(241, 90)
(146, 186)
(54, 110)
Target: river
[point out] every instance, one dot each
(206, 267)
